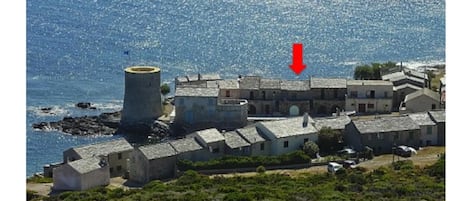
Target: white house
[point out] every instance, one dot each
(428, 128)
(81, 174)
(369, 96)
(288, 135)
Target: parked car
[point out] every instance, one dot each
(350, 164)
(404, 151)
(347, 152)
(332, 167)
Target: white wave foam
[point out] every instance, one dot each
(48, 111)
(419, 65)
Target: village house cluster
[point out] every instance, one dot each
(251, 116)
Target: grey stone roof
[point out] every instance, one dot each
(386, 124)
(212, 84)
(160, 150)
(416, 74)
(197, 92)
(228, 84)
(210, 135)
(103, 148)
(316, 83)
(192, 78)
(210, 77)
(233, 140)
(438, 116)
(423, 92)
(295, 85)
(185, 145)
(289, 127)
(249, 82)
(203, 77)
(335, 123)
(369, 82)
(406, 85)
(422, 119)
(251, 134)
(182, 79)
(85, 165)
(394, 75)
(270, 83)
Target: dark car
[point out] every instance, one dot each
(404, 151)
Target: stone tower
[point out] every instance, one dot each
(142, 96)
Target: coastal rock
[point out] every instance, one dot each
(85, 105)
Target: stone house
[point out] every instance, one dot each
(400, 92)
(150, 162)
(288, 135)
(337, 123)
(428, 128)
(259, 144)
(211, 140)
(420, 101)
(117, 152)
(81, 174)
(440, 118)
(199, 108)
(369, 96)
(382, 133)
(328, 95)
(236, 145)
(189, 149)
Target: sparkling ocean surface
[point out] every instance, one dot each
(77, 50)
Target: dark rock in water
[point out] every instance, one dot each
(84, 105)
(142, 132)
(46, 109)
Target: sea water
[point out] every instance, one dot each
(77, 50)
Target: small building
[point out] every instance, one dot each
(189, 149)
(81, 174)
(117, 153)
(440, 118)
(337, 123)
(428, 128)
(236, 145)
(382, 133)
(212, 140)
(288, 135)
(369, 96)
(259, 144)
(150, 162)
(328, 95)
(400, 92)
(420, 101)
(229, 89)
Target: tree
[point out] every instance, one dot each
(165, 89)
(329, 140)
(311, 149)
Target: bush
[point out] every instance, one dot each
(165, 89)
(260, 169)
(311, 149)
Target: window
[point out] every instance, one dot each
(262, 146)
(371, 106)
(429, 130)
(227, 93)
(119, 168)
(323, 94)
(353, 94)
(370, 94)
(285, 144)
(305, 140)
(111, 170)
(119, 156)
(433, 106)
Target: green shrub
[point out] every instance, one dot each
(260, 169)
(39, 179)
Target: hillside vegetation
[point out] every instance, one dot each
(401, 181)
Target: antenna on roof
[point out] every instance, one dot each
(305, 119)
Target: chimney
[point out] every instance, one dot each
(337, 111)
(199, 76)
(305, 119)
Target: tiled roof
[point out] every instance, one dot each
(233, 140)
(438, 116)
(385, 124)
(185, 145)
(289, 127)
(335, 123)
(394, 75)
(369, 82)
(159, 150)
(228, 84)
(406, 85)
(210, 135)
(103, 148)
(251, 134)
(249, 82)
(86, 165)
(270, 83)
(422, 119)
(425, 91)
(328, 83)
(295, 85)
(197, 92)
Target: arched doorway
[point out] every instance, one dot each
(252, 109)
(294, 110)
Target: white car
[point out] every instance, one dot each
(332, 167)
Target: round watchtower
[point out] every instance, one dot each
(142, 96)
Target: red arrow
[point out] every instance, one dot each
(297, 66)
